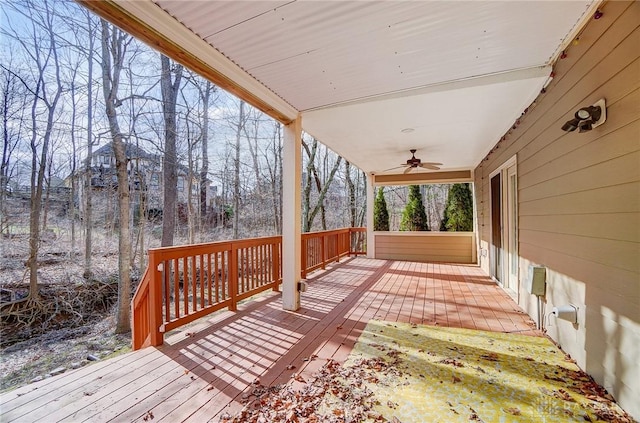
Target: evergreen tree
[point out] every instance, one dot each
(414, 218)
(445, 217)
(380, 212)
(459, 211)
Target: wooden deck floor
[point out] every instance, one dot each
(203, 370)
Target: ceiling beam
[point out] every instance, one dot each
(459, 84)
(149, 23)
(420, 178)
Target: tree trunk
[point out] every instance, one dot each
(236, 179)
(114, 44)
(204, 171)
(190, 176)
(170, 160)
(74, 153)
(88, 209)
(307, 223)
(351, 189)
(275, 174)
(38, 166)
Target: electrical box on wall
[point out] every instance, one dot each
(537, 280)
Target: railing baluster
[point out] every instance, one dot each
(201, 278)
(216, 274)
(167, 289)
(233, 277)
(185, 286)
(209, 279)
(254, 275)
(275, 264)
(194, 288)
(176, 286)
(263, 265)
(224, 273)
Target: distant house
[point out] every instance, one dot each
(145, 172)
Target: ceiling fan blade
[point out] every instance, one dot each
(429, 166)
(408, 169)
(393, 168)
(432, 163)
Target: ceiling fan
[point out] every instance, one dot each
(414, 163)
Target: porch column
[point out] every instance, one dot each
(371, 240)
(291, 214)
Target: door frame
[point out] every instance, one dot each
(511, 286)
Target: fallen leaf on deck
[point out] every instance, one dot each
(490, 357)
(563, 395)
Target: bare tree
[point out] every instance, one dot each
(41, 49)
(236, 171)
(351, 189)
(274, 168)
(13, 103)
(114, 47)
(88, 207)
(205, 95)
(170, 87)
(322, 186)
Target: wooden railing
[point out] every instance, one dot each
(184, 283)
(322, 248)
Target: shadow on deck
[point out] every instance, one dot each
(206, 368)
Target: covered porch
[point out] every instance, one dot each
(209, 368)
(486, 89)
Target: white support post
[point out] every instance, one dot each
(371, 239)
(291, 214)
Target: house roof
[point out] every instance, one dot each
(371, 79)
(131, 150)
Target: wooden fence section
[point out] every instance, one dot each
(187, 282)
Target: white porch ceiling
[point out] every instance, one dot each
(459, 73)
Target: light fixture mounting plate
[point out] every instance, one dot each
(603, 113)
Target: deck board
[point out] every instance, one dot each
(204, 370)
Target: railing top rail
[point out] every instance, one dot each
(211, 247)
(249, 242)
(164, 253)
(307, 235)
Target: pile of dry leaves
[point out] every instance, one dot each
(336, 394)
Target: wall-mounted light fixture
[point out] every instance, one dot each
(587, 118)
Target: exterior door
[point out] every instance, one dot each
(510, 232)
(504, 259)
(495, 254)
